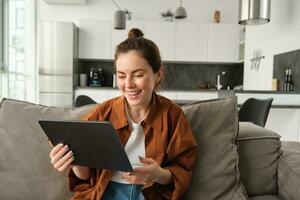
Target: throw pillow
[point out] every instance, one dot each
(215, 126)
(25, 168)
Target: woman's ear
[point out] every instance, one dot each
(159, 75)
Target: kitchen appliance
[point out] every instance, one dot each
(253, 12)
(96, 77)
(56, 58)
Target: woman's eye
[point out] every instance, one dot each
(121, 77)
(139, 75)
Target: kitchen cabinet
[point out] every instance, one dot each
(223, 43)
(120, 35)
(285, 122)
(163, 34)
(103, 94)
(197, 96)
(95, 39)
(177, 41)
(191, 41)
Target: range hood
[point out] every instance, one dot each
(253, 12)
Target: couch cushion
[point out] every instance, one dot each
(215, 126)
(289, 171)
(266, 197)
(25, 169)
(259, 150)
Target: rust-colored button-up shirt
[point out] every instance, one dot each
(168, 140)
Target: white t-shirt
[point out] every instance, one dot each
(135, 147)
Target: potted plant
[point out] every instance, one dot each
(167, 15)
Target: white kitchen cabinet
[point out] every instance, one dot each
(168, 94)
(120, 35)
(95, 39)
(163, 34)
(98, 95)
(191, 41)
(223, 43)
(285, 122)
(196, 95)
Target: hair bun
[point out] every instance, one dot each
(135, 32)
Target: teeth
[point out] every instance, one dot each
(133, 93)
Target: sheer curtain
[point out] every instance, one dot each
(19, 74)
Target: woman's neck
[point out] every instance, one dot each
(137, 114)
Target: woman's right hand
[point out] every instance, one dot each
(61, 157)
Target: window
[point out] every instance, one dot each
(1, 47)
(18, 76)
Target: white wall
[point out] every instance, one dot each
(197, 10)
(282, 34)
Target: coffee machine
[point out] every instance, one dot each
(96, 77)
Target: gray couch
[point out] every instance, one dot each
(235, 160)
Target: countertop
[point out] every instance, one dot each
(282, 99)
(207, 90)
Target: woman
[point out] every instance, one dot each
(157, 137)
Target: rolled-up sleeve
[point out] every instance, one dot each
(181, 156)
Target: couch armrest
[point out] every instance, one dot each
(289, 171)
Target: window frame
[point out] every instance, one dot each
(30, 72)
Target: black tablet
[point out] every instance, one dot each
(95, 144)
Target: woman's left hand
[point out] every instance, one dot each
(149, 173)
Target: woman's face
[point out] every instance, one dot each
(136, 79)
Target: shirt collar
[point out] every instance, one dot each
(118, 116)
(154, 117)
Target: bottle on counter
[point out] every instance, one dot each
(115, 80)
(291, 83)
(100, 77)
(91, 76)
(286, 86)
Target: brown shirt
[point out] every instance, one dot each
(168, 140)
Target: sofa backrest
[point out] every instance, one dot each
(259, 151)
(25, 169)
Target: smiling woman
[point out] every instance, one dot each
(18, 69)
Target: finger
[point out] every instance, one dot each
(134, 179)
(140, 170)
(64, 159)
(50, 143)
(59, 154)
(146, 160)
(66, 164)
(56, 149)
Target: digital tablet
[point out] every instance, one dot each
(94, 144)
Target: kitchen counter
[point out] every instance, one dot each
(207, 90)
(282, 99)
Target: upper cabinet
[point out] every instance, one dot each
(120, 35)
(223, 43)
(163, 34)
(95, 39)
(191, 42)
(177, 41)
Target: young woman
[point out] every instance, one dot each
(155, 132)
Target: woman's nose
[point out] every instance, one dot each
(130, 82)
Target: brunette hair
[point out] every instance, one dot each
(146, 48)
